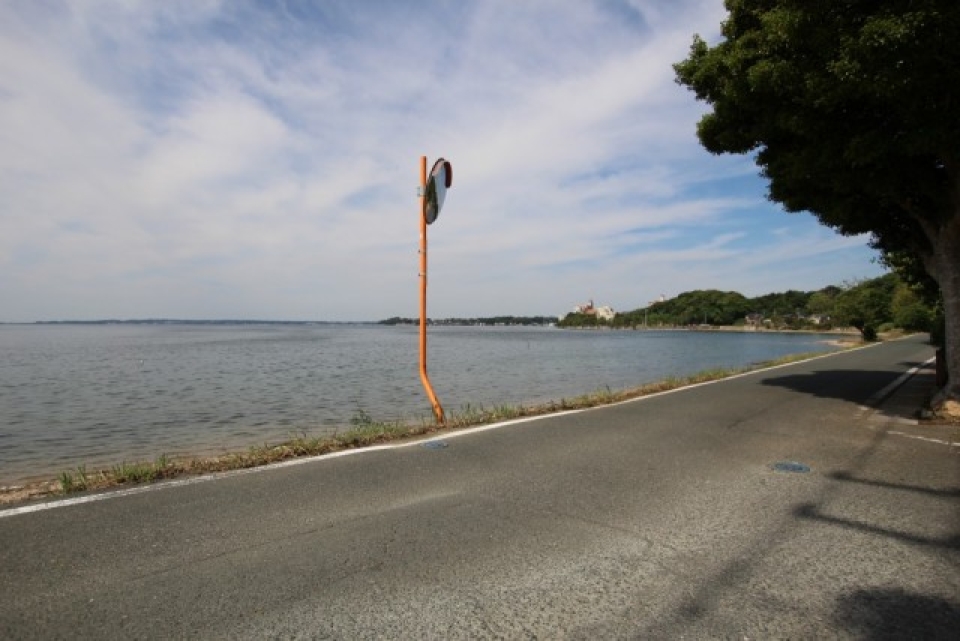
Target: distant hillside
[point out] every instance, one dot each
(713, 307)
(868, 305)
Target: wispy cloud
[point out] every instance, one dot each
(240, 159)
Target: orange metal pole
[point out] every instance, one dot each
(424, 377)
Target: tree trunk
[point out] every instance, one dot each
(946, 258)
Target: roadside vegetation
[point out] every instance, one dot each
(364, 431)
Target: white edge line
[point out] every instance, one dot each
(927, 439)
(886, 391)
(164, 485)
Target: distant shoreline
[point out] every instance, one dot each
(177, 321)
(842, 331)
(517, 321)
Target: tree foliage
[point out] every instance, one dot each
(851, 110)
(710, 307)
(909, 310)
(866, 305)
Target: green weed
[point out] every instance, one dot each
(66, 482)
(77, 481)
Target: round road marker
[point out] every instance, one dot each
(791, 466)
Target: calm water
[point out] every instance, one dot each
(97, 395)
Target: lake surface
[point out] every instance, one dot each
(101, 394)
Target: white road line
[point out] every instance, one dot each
(927, 439)
(164, 485)
(886, 391)
(871, 405)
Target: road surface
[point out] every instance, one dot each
(659, 518)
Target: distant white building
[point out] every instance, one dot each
(604, 312)
(585, 308)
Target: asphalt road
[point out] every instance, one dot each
(660, 518)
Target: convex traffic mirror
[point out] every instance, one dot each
(441, 177)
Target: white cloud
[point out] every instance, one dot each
(188, 159)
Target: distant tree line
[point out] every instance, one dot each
(872, 305)
(487, 320)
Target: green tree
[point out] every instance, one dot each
(908, 267)
(575, 319)
(851, 109)
(822, 302)
(908, 310)
(867, 305)
(701, 306)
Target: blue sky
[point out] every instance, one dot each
(259, 159)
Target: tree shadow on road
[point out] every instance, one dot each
(854, 386)
(931, 491)
(811, 511)
(883, 614)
